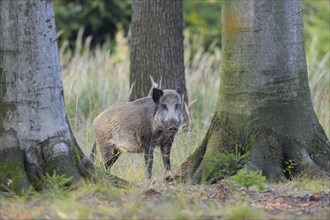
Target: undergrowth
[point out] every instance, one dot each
(230, 164)
(98, 199)
(248, 178)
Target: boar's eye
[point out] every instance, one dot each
(163, 106)
(177, 106)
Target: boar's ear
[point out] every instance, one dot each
(156, 94)
(179, 91)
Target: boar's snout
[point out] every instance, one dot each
(173, 125)
(173, 129)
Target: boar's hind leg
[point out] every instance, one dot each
(166, 151)
(148, 157)
(111, 156)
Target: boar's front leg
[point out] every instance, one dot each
(148, 157)
(166, 151)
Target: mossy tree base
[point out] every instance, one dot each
(13, 176)
(219, 136)
(269, 151)
(20, 170)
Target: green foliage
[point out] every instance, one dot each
(248, 178)
(56, 186)
(204, 18)
(226, 164)
(55, 181)
(99, 18)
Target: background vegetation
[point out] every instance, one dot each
(99, 18)
(95, 78)
(102, 18)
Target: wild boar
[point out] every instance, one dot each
(139, 126)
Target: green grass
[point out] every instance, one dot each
(98, 199)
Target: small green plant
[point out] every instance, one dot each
(229, 165)
(56, 181)
(288, 168)
(248, 178)
(56, 186)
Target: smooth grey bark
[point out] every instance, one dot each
(35, 136)
(264, 103)
(156, 46)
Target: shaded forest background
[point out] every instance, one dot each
(101, 19)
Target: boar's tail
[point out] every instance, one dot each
(93, 152)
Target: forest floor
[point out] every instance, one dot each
(298, 199)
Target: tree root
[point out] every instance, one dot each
(270, 152)
(266, 154)
(56, 155)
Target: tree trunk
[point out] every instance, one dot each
(35, 136)
(264, 103)
(156, 46)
